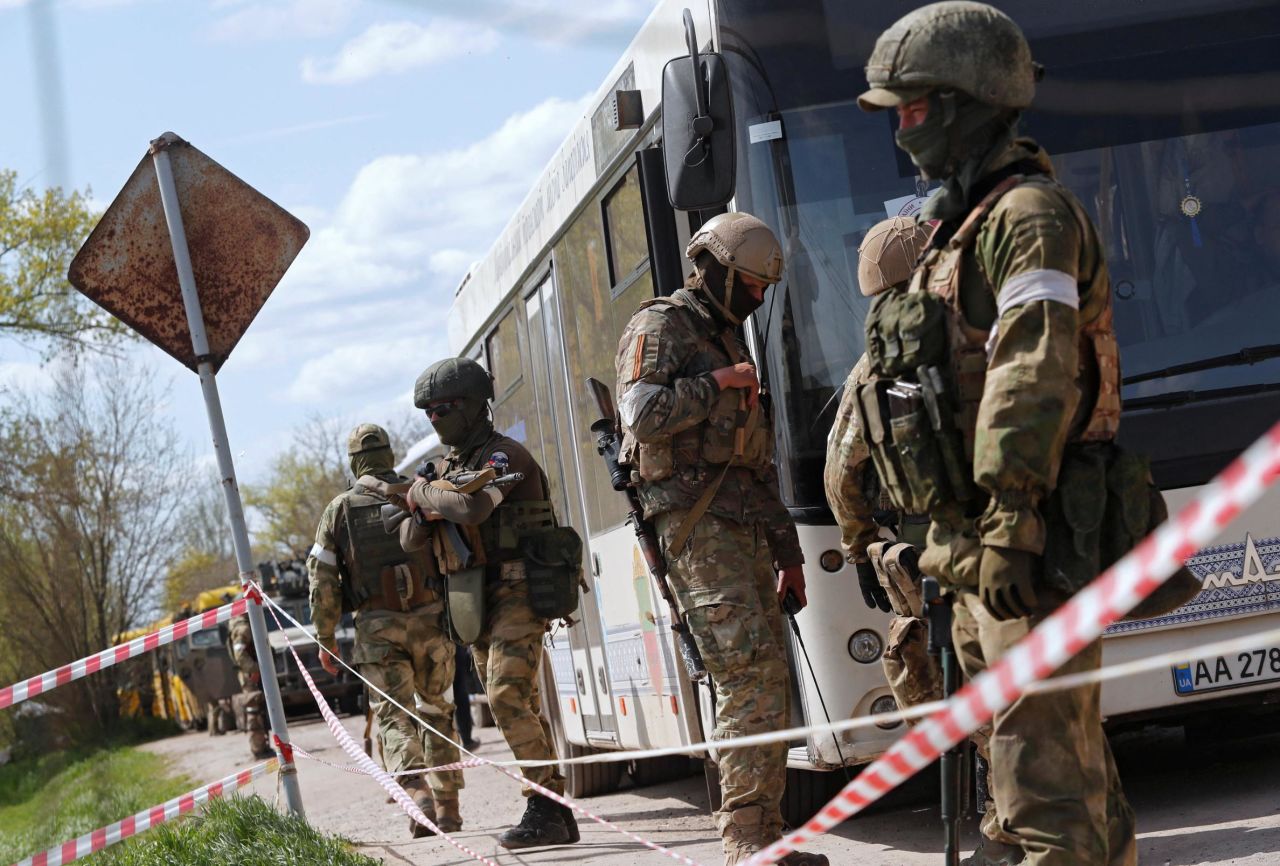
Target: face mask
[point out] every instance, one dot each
(956, 129)
(454, 428)
(741, 302)
(372, 462)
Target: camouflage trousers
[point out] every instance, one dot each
(251, 706)
(508, 656)
(406, 654)
(726, 587)
(1053, 778)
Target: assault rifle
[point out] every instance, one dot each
(607, 444)
(396, 511)
(937, 611)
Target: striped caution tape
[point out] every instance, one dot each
(74, 849)
(346, 768)
(19, 692)
(367, 765)
(1071, 628)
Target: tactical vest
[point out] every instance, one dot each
(930, 367)
(732, 434)
(381, 574)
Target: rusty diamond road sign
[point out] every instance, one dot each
(240, 241)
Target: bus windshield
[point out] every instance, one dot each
(1163, 118)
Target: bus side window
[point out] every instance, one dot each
(513, 404)
(623, 214)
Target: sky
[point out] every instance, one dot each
(404, 134)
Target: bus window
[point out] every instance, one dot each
(624, 229)
(1163, 118)
(513, 405)
(504, 356)
(593, 319)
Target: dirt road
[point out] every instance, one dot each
(1218, 803)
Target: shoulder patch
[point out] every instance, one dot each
(499, 460)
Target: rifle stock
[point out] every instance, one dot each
(607, 444)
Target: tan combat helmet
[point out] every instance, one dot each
(888, 254)
(367, 437)
(741, 243)
(955, 45)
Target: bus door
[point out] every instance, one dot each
(581, 674)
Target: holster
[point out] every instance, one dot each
(466, 604)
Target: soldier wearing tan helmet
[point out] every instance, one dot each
(401, 644)
(888, 573)
(701, 439)
(1005, 329)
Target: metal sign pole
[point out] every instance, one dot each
(221, 447)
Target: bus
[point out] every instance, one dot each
(1163, 118)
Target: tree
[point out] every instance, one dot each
(91, 487)
(39, 235)
(204, 558)
(305, 476)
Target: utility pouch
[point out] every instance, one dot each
(553, 568)
(1182, 586)
(919, 458)
(466, 604)
(1074, 517)
(873, 405)
(655, 460)
(906, 330)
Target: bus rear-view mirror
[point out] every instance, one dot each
(698, 145)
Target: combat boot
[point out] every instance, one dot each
(259, 746)
(993, 853)
(448, 818)
(743, 833)
(570, 824)
(423, 800)
(542, 824)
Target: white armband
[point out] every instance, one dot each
(325, 557)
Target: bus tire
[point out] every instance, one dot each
(655, 771)
(808, 791)
(588, 780)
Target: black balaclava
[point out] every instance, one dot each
(712, 276)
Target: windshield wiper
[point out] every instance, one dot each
(1183, 398)
(1247, 355)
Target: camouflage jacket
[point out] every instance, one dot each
(849, 475)
(240, 646)
(666, 356)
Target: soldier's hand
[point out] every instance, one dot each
(326, 660)
(1006, 581)
(740, 375)
(869, 582)
(792, 578)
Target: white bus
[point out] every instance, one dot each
(1164, 118)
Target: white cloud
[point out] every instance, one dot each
(398, 46)
(258, 21)
(381, 269)
(559, 21)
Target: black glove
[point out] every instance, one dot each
(1006, 581)
(872, 592)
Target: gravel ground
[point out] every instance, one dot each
(1216, 803)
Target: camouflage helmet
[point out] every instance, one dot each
(888, 254)
(740, 242)
(367, 437)
(955, 45)
(452, 378)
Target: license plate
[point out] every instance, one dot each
(1227, 672)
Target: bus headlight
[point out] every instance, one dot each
(865, 646)
(880, 706)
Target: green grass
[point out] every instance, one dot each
(65, 794)
(245, 831)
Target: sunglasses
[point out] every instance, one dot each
(442, 408)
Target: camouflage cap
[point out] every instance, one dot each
(888, 254)
(367, 437)
(957, 45)
(452, 378)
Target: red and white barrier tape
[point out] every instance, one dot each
(19, 692)
(460, 765)
(1071, 628)
(74, 849)
(367, 765)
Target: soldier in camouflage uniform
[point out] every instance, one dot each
(495, 616)
(401, 645)
(701, 438)
(250, 701)
(993, 406)
(888, 574)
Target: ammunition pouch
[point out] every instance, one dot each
(1104, 504)
(917, 450)
(553, 570)
(466, 604)
(914, 676)
(906, 330)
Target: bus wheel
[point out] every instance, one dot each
(808, 791)
(588, 780)
(655, 771)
